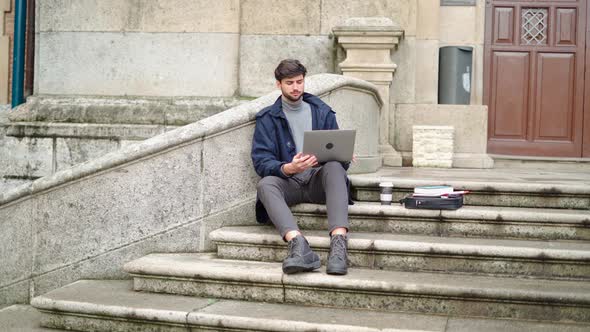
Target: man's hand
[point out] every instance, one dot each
(300, 163)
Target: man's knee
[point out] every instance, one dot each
(267, 183)
(333, 167)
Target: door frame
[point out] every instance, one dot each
(586, 130)
(585, 60)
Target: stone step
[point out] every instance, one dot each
(468, 221)
(113, 306)
(433, 293)
(489, 187)
(544, 259)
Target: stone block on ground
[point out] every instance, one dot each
(433, 146)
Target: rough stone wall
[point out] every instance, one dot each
(189, 47)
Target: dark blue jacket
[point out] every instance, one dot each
(273, 144)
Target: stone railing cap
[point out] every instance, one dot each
(236, 116)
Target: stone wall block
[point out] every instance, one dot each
(403, 86)
(124, 205)
(138, 16)
(432, 152)
(190, 16)
(335, 12)
(158, 64)
(16, 252)
(458, 25)
(26, 157)
(260, 55)
(280, 17)
(427, 19)
(72, 151)
(230, 177)
(426, 71)
(88, 15)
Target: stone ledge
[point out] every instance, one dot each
(417, 244)
(114, 300)
(469, 221)
(522, 258)
(172, 111)
(86, 130)
(371, 289)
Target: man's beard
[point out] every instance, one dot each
(291, 98)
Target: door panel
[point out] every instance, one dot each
(535, 61)
(510, 94)
(554, 106)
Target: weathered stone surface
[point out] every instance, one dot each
(123, 206)
(15, 293)
(26, 157)
(474, 324)
(229, 177)
(112, 302)
(427, 19)
(488, 222)
(53, 115)
(144, 16)
(426, 69)
(546, 259)
(469, 121)
(72, 151)
(21, 318)
(109, 265)
(189, 64)
(280, 17)
(260, 54)
(17, 250)
(9, 184)
(190, 16)
(88, 15)
(372, 289)
(336, 12)
(403, 86)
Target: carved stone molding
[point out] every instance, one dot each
(369, 43)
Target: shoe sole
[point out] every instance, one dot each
(337, 272)
(302, 268)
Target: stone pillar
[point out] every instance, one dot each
(5, 6)
(369, 43)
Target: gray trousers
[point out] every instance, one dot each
(324, 185)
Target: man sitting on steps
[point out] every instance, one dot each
(290, 177)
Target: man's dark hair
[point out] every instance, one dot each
(289, 68)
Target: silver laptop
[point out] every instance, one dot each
(329, 145)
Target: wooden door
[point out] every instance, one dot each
(535, 60)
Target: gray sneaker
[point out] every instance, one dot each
(300, 258)
(338, 257)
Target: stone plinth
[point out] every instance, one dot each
(433, 146)
(368, 42)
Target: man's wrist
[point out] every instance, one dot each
(286, 170)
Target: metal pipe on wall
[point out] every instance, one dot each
(18, 68)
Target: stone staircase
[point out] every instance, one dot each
(512, 259)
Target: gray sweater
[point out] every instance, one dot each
(299, 117)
